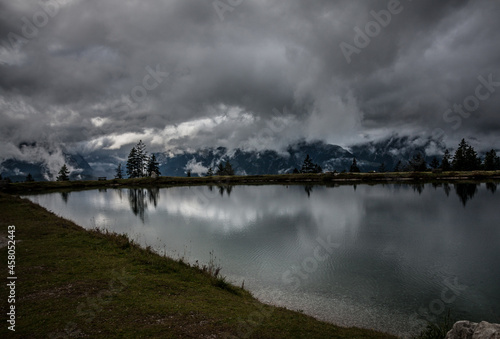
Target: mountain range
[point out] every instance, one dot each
(369, 156)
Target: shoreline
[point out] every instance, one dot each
(104, 285)
(286, 179)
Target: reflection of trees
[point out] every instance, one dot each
(418, 187)
(447, 189)
(466, 192)
(308, 189)
(491, 186)
(154, 195)
(65, 196)
(138, 203)
(224, 188)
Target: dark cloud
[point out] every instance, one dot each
(91, 75)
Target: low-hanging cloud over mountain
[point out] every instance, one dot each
(98, 75)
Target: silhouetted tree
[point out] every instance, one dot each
(398, 167)
(295, 171)
(133, 164)
(465, 158)
(434, 163)
(210, 172)
(63, 174)
(220, 169)
(137, 162)
(29, 178)
(445, 163)
(491, 161)
(417, 163)
(119, 172)
(224, 169)
(142, 158)
(153, 166)
(354, 166)
(188, 173)
(228, 169)
(382, 168)
(308, 166)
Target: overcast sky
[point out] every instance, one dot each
(184, 74)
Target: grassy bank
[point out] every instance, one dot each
(76, 283)
(327, 178)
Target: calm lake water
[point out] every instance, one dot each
(386, 257)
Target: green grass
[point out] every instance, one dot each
(326, 179)
(77, 283)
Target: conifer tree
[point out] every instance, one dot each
(220, 169)
(398, 167)
(153, 166)
(354, 166)
(382, 168)
(491, 161)
(133, 165)
(142, 158)
(228, 169)
(119, 172)
(445, 163)
(63, 174)
(210, 172)
(417, 163)
(434, 163)
(465, 158)
(307, 166)
(29, 178)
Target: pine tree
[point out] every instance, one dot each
(220, 169)
(417, 163)
(465, 158)
(210, 172)
(228, 169)
(473, 162)
(445, 163)
(142, 158)
(354, 166)
(29, 178)
(491, 161)
(382, 168)
(434, 163)
(63, 174)
(153, 166)
(133, 164)
(188, 173)
(309, 167)
(398, 167)
(119, 172)
(459, 162)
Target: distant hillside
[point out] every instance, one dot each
(17, 170)
(331, 158)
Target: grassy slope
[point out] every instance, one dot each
(75, 283)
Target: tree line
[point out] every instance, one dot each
(465, 158)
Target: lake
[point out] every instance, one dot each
(386, 257)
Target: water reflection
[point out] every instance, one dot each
(65, 196)
(466, 192)
(138, 200)
(309, 189)
(492, 187)
(386, 250)
(224, 188)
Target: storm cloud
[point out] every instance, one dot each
(99, 75)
